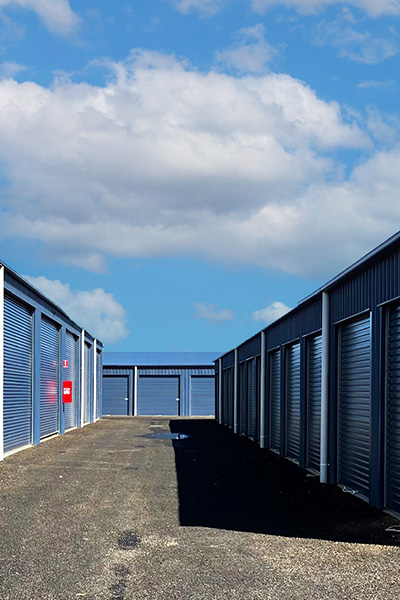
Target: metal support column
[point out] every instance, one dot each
(135, 391)
(262, 392)
(324, 466)
(82, 376)
(94, 381)
(220, 390)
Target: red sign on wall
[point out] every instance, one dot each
(67, 392)
(65, 364)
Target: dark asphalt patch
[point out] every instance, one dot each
(118, 589)
(128, 540)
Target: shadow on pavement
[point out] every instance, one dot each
(227, 482)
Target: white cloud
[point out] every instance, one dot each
(373, 84)
(271, 313)
(206, 8)
(209, 312)
(251, 54)
(10, 69)
(95, 310)
(57, 15)
(164, 160)
(374, 8)
(362, 47)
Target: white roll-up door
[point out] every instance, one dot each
(275, 400)
(293, 401)
(314, 363)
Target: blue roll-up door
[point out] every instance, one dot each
(231, 380)
(393, 413)
(243, 405)
(354, 406)
(314, 363)
(202, 396)
(71, 374)
(17, 375)
(293, 401)
(275, 400)
(115, 395)
(98, 384)
(88, 384)
(158, 395)
(49, 377)
(251, 399)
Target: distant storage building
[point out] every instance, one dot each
(50, 368)
(321, 386)
(159, 383)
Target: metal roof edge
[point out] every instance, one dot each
(44, 297)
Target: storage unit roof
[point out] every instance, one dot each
(156, 359)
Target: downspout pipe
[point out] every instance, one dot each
(324, 450)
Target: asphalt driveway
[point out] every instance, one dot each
(119, 511)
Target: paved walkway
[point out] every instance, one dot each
(108, 513)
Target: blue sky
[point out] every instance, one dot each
(177, 173)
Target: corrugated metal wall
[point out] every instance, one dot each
(194, 400)
(362, 334)
(41, 350)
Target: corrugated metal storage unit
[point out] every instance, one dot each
(330, 380)
(39, 351)
(160, 383)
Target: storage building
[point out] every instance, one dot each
(321, 386)
(159, 383)
(50, 368)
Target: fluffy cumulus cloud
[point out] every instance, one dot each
(251, 53)
(57, 15)
(374, 8)
(165, 160)
(95, 310)
(209, 312)
(271, 313)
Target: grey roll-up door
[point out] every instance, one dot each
(17, 375)
(49, 377)
(158, 395)
(243, 399)
(393, 413)
(293, 401)
(115, 395)
(88, 384)
(314, 363)
(354, 406)
(275, 400)
(251, 388)
(202, 396)
(71, 374)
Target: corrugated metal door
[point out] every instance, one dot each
(88, 384)
(314, 362)
(293, 401)
(354, 405)
(251, 389)
(98, 385)
(275, 400)
(243, 399)
(17, 375)
(231, 380)
(49, 377)
(115, 396)
(71, 374)
(393, 413)
(158, 395)
(202, 396)
(258, 397)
